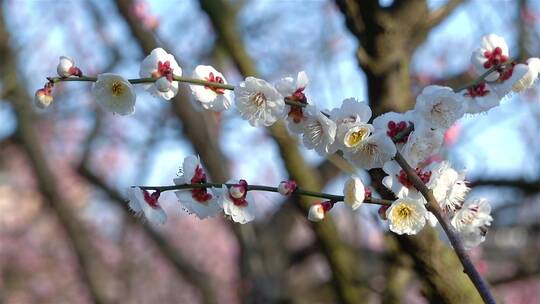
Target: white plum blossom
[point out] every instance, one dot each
(237, 202)
(199, 201)
(319, 131)
(421, 143)
(407, 215)
(393, 123)
(448, 186)
(146, 205)
(472, 222)
(351, 110)
(354, 192)
(492, 52)
(114, 93)
(439, 107)
(373, 152)
(159, 64)
(211, 98)
(352, 124)
(293, 89)
(479, 98)
(259, 102)
(287, 86)
(416, 146)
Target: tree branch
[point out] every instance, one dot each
(433, 206)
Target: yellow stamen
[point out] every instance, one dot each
(404, 211)
(117, 88)
(258, 99)
(356, 137)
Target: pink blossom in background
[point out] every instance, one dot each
(451, 136)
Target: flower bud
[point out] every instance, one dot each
(65, 66)
(237, 191)
(354, 193)
(42, 99)
(163, 84)
(316, 213)
(286, 187)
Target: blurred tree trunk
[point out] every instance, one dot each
(387, 39)
(342, 261)
(91, 272)
(201, 130)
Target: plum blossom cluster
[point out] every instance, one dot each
(233, 199)
(364, 141)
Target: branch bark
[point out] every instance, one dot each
(433, 206)
(385, 51)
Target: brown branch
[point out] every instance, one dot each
(438, 16)
(452, 235)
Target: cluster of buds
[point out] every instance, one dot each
(66, 68)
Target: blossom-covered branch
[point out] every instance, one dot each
(402, 144)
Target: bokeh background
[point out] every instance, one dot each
(66, 235)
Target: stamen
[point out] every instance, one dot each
(258, 99)
(117, 88)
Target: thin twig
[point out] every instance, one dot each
(298, 191)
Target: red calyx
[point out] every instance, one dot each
(164, 70)
(395, 128)
(75, 71)
(506, 73)
(478, 90)
(494, 58)
(367, 193)
(200, 194)
(152, 199)
(327, 205)
(241, 201)
(217, 79)
(296, 112)
(404, 180)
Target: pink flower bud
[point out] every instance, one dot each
(64, 66)
(286, 187)
(42, 98)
